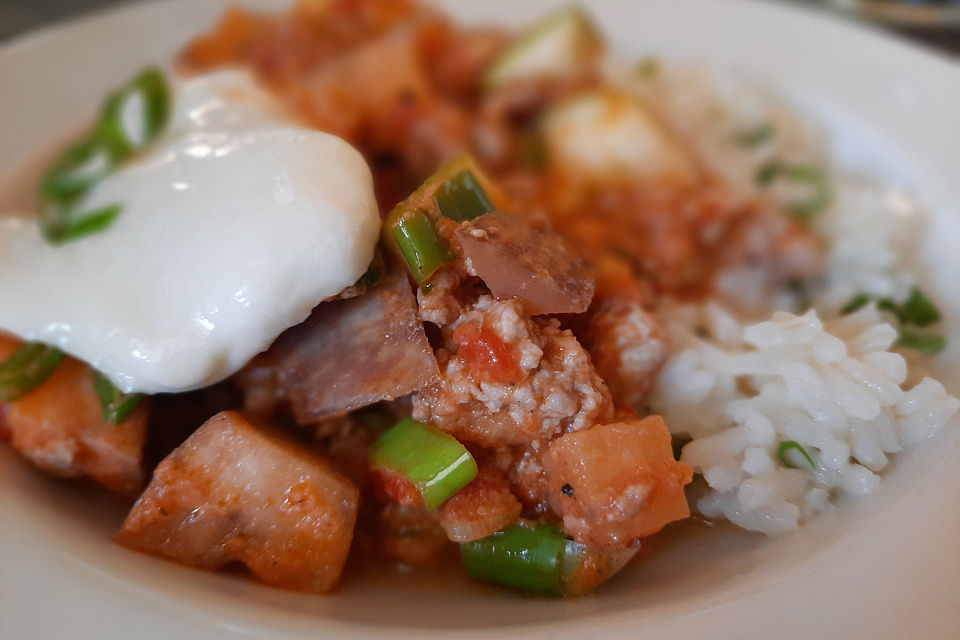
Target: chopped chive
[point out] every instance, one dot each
(886, 304)
(523, 556)
(462, 198)
(929, 344)
(919, 310)
(75, 226)
(647, 67)
(788, 446)
(805, 209)
(422, 248)
(116, 405)
(432, 461)
(131, 117)
(126, 129)
(756, 136)
(27, 369)
(856, 303)
(77, 169)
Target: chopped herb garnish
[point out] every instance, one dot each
(421, 246)
(27, 369)
(788, 451)
(135, 114)
(522, 556)
(807, 208)
(929, 344)
(131, 117)
(116, 405)
(756, 136)
(432, 461)
(856, 303)
(647, 67)
(919, 310)
(462, 198)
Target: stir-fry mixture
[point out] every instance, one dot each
(548, 316)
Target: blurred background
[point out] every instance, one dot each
(935, 23)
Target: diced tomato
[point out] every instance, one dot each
(390, 486)
(487, 355)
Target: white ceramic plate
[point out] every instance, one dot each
(888, 568)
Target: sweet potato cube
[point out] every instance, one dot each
(235, 492)
(617, 482)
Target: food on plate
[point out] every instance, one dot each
(383, 287)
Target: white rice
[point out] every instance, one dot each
(830, 383)
(835, 388)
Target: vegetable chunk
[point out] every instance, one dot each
(59, 427)
(235, 492)
(617, 482)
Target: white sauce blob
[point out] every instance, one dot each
(236, 222)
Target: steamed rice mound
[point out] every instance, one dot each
(833, 387)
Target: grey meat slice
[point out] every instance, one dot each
(516, 259)
(348, 354)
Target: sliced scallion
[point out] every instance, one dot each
(647, 67)
(929, 344)
(806, 208)
(919, 310)
(132, 117)
(135, 114)
(523, 556)
(755, 136)
(77, 169)
(788, 452)
(62, 225)
(856, 303)
(422, 248)
(432, 461)
(462, 198)
(27, 369)
(116, 405)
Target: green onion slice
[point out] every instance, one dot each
(856, 303)
(116, 404)
(462, 198)
(77, 169)
(929, 344)
(523, 556)
(756, 136)
(788, 451)
(27, 369)
(135, 114)
(806, 208)
(421, 246)
(647, 67)
(919, 310)
(59, 225)
(432, 461)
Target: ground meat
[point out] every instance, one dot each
(439, 303)
(628, 347)
(481, 508)
(509, 379)
(411, 536)
(523, 466)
